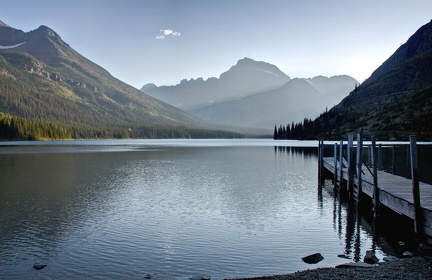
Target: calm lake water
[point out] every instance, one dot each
(170, 209)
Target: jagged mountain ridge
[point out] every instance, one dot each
(43, 77)
(229, 99)
(245, 78)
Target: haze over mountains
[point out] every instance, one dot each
(254, 94)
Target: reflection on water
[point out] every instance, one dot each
(127, 210)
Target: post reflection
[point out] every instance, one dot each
(350, 232)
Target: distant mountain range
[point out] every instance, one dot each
(393, 103)
(254, 94)
(43, 78)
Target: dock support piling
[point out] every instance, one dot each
(335, 165)
(351, 164)
(374, 160)
(320, 161)
(340, 164)
(359, 164)
(418, 214)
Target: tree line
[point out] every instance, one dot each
(14, 127)
(309, 129)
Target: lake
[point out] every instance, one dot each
(171, 209)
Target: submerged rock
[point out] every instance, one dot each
(150, 275)
(370, 257)
(314, 258)
(38, 266)
(407, 254)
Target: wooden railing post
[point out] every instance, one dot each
(408, 164)
(351, 166)
(335, 165)
(369, 155)
(380, 157)
(359, 163)
(418, 214)
(374, 160)
(320, 161)
(340, 164)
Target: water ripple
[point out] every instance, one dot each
(172, 211)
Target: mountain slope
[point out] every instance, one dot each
(296, 99)
(394, 102)
(43, 77)
(246, 77)
(254, 94)
(419, 42)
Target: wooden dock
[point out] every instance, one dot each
(350, 174)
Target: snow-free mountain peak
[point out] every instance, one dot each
(254, 73)
(254, 94)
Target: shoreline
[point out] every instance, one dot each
(409, 268)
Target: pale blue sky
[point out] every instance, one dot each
(304, 38)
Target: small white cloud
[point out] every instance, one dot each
(167, 32)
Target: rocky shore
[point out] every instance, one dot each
(410, 268)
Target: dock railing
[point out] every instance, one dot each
(349, 162)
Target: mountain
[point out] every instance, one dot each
(244, 78)
(334, 89)
(419, 42)
(254, 94)
(42, 77)
(265, 109)
(393, 103)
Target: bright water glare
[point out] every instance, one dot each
(170, 209)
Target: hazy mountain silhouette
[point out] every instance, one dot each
(265, 109)
(245, 78)
(254, 94)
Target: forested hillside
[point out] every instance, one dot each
(44, 80)
(393, 104)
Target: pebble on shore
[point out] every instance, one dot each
(411, 268)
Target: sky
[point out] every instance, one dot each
(165, 41)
